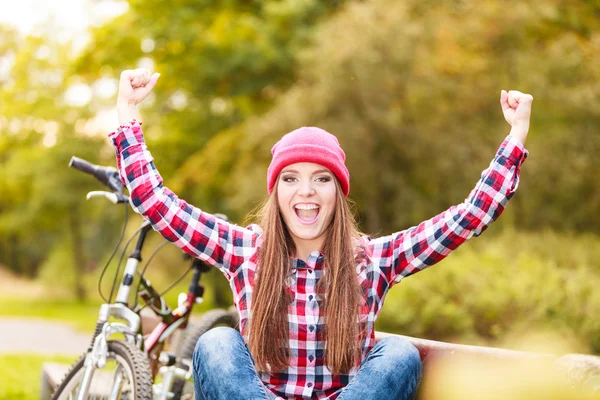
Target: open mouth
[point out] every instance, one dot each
(307, 213)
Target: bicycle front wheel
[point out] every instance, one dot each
(126, 376)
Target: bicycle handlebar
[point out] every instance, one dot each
(106, 175)
(82, 165)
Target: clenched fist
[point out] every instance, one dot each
(134, 86)
(516, 107)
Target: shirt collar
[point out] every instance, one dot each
(315, 261)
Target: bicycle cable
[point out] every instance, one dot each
(113, 254)
(141, 274)
(187, 271)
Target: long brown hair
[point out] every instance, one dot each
(268, 328)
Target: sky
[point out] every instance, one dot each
(74, 16)
(71, 19)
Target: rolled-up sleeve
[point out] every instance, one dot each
(404, 253)
(198, 233)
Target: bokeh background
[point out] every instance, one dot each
(411, 88)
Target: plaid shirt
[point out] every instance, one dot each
(385, 261)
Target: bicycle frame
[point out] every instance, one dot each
(130, 325)
(128, 321)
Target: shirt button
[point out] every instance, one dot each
(311, 358)
(310, 271)
(311, 328)
(309, 384)
(310, 297)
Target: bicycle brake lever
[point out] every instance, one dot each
(114, 198)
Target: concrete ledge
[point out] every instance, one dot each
(52, 374)
(429, 347)
(579, 369)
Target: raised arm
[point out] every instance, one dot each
(412, 250)
(198, 233)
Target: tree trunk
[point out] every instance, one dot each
(78, 256)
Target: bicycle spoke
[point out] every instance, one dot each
(116, 383)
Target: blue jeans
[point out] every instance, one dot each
(224, 369)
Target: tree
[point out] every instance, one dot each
(412, 91)
(42, 206)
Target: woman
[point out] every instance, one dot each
(307, 286)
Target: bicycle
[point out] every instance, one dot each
(135, 366)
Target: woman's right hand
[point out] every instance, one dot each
(134, 86)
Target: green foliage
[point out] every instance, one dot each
(36, 141)
(20, 375)
(80, 315)
(410, 88)
(497, 289)
(42, 207)
(412, 91)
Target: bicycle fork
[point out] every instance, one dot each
(97, 356)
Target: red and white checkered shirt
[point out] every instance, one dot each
(387, 260)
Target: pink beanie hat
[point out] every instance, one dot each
(309, 144)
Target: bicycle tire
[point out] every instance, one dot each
(129, 357)
(209, 320)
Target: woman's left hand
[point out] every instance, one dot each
(516, 107)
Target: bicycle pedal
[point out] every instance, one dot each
(167, 358)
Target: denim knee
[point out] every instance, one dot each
(223, 334)
(214, 345)
(402, 355)
(223, 367)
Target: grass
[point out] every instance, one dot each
(23, 298)
(20, 375)
(82, 316)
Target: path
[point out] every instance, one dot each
(24, 335)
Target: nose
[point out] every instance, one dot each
(306, 188)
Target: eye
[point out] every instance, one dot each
(324, 179)
(288, 178)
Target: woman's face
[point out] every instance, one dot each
(306, 195)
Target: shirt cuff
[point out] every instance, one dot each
(127, 135)
(513, 150)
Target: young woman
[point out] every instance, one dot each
(307, 285)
